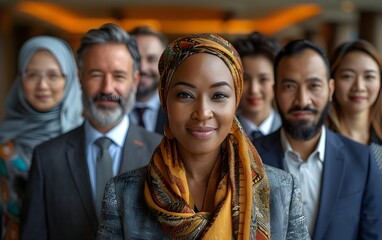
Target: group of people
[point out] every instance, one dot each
(138, 138)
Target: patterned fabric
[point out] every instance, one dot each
(377, 150)
(241, 182)
(177, 51)
(23, 127)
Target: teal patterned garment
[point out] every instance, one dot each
(377, 150)
(13, 175)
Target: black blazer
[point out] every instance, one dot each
(59, 203)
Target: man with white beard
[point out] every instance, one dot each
(68, 174)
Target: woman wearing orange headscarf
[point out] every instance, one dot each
(205, 179)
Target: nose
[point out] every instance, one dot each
(303, 98)
(359, 83)
(202, 111)
(145, 66)
(107, 84)
(43, 82)
(254, 86)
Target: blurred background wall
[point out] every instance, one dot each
(326, 22)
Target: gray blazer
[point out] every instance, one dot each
(126, 216)
(59, 203)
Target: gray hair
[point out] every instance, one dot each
(108, 33)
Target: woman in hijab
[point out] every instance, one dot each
(205, 180)
(356, 110)
(44, 102)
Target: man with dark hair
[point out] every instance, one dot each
(339, 178)
(69, 173)
(147, 111)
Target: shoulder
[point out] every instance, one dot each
(54, 142)
(146, 136)
(278, 177)
(130, 181)
(342, 141)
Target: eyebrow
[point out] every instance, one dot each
(218, 84)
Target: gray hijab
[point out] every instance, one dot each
(28, 127)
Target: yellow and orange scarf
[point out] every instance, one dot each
(242, 197)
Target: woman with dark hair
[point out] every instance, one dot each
(256, 114)
(44, 102)
(356, 110)
(205, 180)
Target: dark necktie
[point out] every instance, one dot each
(256, 134)
(140, 111)
(104, 170)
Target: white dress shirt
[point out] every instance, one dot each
(265, 127)
(151, 113)
(309, 175)
(117, 135)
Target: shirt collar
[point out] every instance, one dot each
(320, 149)
(264, 127)
(116, 134)
(153, 103)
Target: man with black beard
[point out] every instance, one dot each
(147, 111)
(339, 178)
(69, 173)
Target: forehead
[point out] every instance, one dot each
(149, 43)
(108, 54)
(307, 64)
(358, 59)
(202, 66)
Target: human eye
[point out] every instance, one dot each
(315, 85)
(31, 75)
(120, 77)
(95, 75)
(184, 95)
(220, 96)
(347, 76)
(288, 86)
(370, 77)
(54, 76)
(263, 79)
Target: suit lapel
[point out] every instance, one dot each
(161, 121)
(76, 158)
(332, 179)
(133, 150)
(272, 152)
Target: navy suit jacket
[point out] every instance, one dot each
(351, 195)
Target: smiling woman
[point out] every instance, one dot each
(43, 102)
(205, 180)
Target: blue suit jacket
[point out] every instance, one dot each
(351, 197)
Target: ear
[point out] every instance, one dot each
(331, 88)
(136, 77)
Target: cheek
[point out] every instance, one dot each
(267, 90)
(59, 90)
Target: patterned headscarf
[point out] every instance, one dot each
(28, 127)
(241, 199)
(186, 46)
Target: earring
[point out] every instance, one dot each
(167, 132)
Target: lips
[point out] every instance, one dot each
(201, 132)
(302, 114)
(42, 97)
(357, 98)
(254, 101)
